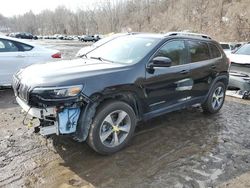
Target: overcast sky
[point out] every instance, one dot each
(16, 7)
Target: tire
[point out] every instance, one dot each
(215, 99)
(112, 128)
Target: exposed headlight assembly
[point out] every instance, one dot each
(58, 92)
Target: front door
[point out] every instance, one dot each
(168, 86)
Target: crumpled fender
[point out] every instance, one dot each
(84, 122)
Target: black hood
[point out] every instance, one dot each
(60, 72)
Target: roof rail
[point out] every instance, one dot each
(187, 34)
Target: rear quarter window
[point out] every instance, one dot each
(24, 47)
(215, 52)
(198, 51)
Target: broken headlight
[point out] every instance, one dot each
(58, 92)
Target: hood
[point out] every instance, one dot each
(60, 72)
(240, 59)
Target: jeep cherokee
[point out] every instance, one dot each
(101, 96)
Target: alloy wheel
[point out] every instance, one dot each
(218, 97)
(115, 128)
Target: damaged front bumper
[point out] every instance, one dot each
(53, 120)
(240, 83)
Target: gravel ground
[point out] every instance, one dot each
(181, 149)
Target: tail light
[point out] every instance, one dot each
(57, 55)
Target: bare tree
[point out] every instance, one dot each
(139, 15)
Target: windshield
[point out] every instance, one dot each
(244, 50)
(127, 49)
(106, 39)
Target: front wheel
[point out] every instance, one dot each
(112, 127)
(215, 99)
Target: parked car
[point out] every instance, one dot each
(240, 70)
(39, 37)
(16, 54)
(227, 47)
(89, 38)
(100, 98)
(23, 35)
(236, 46)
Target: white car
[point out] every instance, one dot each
(227, 48)
(16, 54)
(240, 70)
(241, 56)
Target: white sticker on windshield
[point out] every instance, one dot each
(149, 44)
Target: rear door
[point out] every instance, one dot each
(202, 66)
(11, 60)
(168, 86)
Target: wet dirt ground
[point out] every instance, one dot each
(182, 149)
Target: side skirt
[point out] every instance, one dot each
(173, 107)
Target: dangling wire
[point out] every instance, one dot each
(26, 117)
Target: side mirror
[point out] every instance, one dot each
(160, 62)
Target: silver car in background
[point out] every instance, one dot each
(16, 54)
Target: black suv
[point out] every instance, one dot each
(24, 36)
(101, 96)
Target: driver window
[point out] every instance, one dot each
(175, 50)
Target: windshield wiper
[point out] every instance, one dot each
(83, 55)
(101, 59)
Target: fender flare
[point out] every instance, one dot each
(218, 78)
(85, 120)
(89, 110)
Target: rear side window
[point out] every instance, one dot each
(198, 51)
(215, 52)
(24, 47)
(7, 46)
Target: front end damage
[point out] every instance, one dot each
(58, 116)
(239, 81)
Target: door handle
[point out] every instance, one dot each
(20, 56)
(184, 71)
(213, 67)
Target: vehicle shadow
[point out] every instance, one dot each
(7, 98)
(162, 143)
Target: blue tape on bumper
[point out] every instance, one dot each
(68, 120)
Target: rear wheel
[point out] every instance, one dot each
(215, 99)
(112, 128)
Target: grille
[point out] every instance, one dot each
(23, 91)
(15, 85)
(20, 89)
